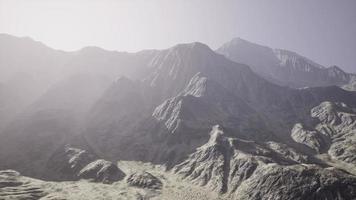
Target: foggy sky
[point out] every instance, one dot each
(323, 30)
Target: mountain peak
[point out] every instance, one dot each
(192, 47)
(12, 37)
(238, 41)
(92, 50)
(11, 41)
(283, 67)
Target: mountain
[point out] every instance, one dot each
(29, 69)
(251, 170)
(284, 67)
(195, 116)
(43, 106)
(165, 118)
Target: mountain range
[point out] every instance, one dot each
(244, 121)
(284, 67)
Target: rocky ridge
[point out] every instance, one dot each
(284, 67)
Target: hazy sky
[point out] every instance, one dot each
(323, 30)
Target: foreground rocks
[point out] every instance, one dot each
(223, 163)
(298, 182)
(144, 180)
(168, 185)
(102, 171)
(72, 164)
(244, 169)
(13, 187)
(252, 179)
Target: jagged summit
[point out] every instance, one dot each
(286, 57)
(283, 67)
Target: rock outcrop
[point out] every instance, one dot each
(297, 182)
(223, 163)
(144, 180)
(12, 186)
(72, 164)
(310, 138)
(66, 162)
(101, 171)
(335, 131)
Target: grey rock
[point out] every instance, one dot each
(66, 163)
(284, 151)
(12, 186)
(224, 163)
(102, 171)
(144, 180)
(338, 122)
(311, 138)
(71, 163)
(8, 178)
(297, 182)
(334, 132)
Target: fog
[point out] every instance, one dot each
(184, 99)
(322, 30)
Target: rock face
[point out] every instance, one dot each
(247, 170)
(144, 180)
(312, 139)
(284, 67)
(224, 162)
(338, 122)
(297, 182)
(210, 165)
(8, 178)
(102, 171)
(335, 131)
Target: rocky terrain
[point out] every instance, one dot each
(170, 186)
(334, 134)
(179, 123)
(234, 166)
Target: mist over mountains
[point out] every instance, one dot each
(284, 67)
(242, 122)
